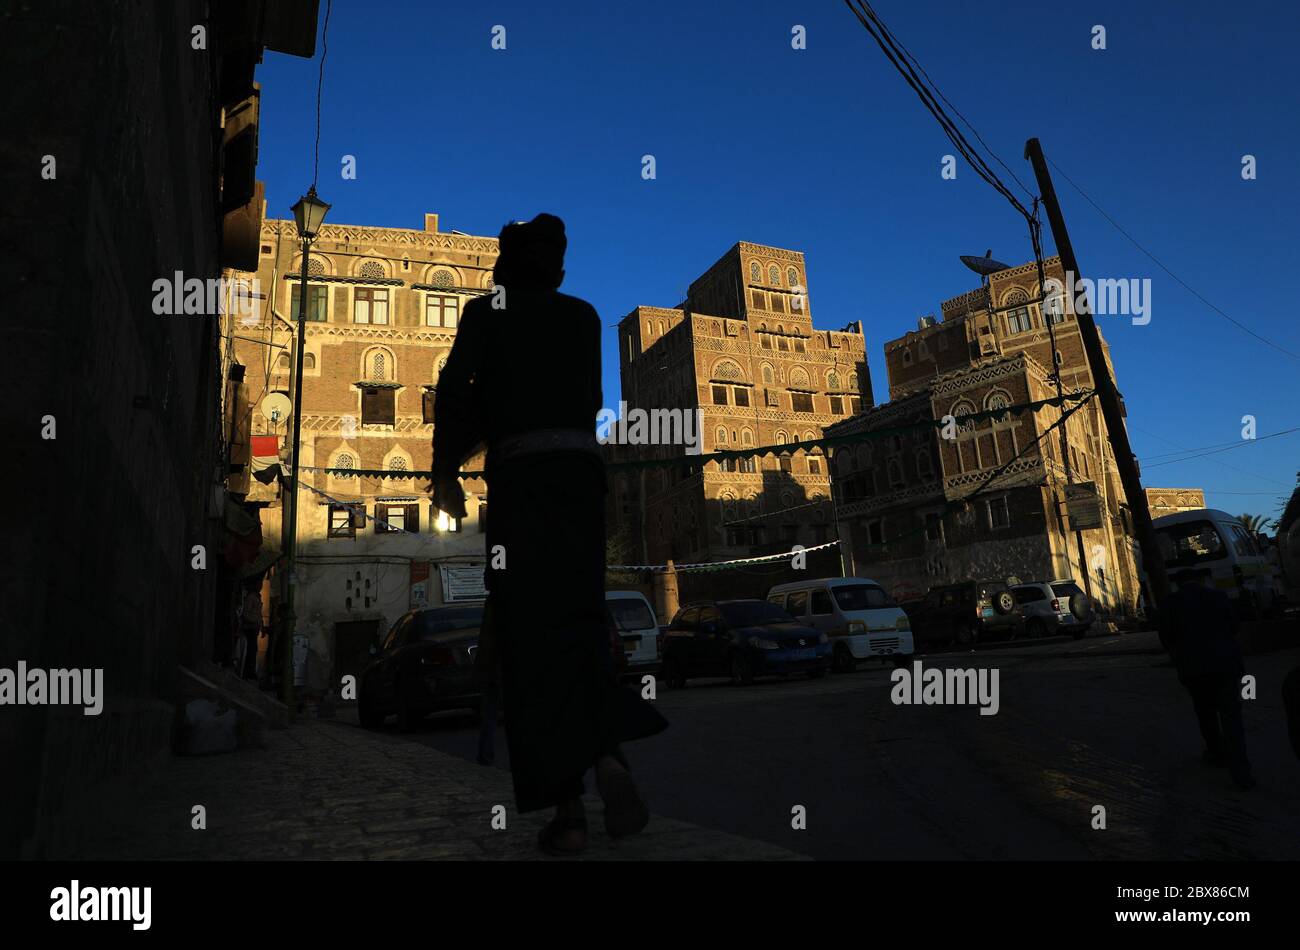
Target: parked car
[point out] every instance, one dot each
(966, 612)
(1213, 539)
(1052, 607)
(425, 665)
(743, 639)
(638, 631)
(855, 612)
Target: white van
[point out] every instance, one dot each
(636, 625)
(1213, 539)
(855, 612)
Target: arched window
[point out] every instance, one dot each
(964, 407)
(372, 270)
(315, 267)
(442, 278)
(309, 361)
(398, 463)
(792, 277)
(895, 474)
(780, 437)
(907, 357)
(282, 364)
(344, 461)
(768, 376)
(746, 438)
(661, 328)
(774, 276)
(721, 437)
(378, 365)
(997, 399)
(755, 272)
(727, 370)
(799, 378)
(649, 328)
(853, 381)
(833, 380)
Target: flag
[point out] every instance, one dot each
(265, 457)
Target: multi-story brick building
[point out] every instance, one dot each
(742, 350)
(383, 307)
(900, 498)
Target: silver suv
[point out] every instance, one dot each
(1052, 607)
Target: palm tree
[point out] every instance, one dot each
(1255, 523)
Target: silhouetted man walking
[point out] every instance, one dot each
(1198, 626)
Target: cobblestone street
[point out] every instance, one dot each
(325, 789)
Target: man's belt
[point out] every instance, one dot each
(542, 440)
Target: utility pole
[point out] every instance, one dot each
(1113, 414)
(1049, 320)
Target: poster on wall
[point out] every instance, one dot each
(462, 583)
(419, 584)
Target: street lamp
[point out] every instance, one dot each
(308, 215)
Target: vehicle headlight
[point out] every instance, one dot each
(762, 643)
(903, 623)
(857, 626)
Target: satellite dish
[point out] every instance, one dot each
(984, 265)
(275, 406)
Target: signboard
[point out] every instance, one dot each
(419, 584)
(1083, 505)
(462, 583)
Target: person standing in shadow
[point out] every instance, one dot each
(524, 377)
(1198, 626)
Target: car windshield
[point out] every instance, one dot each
(630, 613)
(1066, 590)
(861, 597)
(752, 613)
(431, 623)
(1189, 543)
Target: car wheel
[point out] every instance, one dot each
(742, 671)
(1004, 602)
(367, 714)
(843, 661)
(965, 635)
(1036, 629)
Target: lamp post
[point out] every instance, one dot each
(308, 214)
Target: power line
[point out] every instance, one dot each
(320, 85)
(1132, 240)
(901, 61)
(1229, 448)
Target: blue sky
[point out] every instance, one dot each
(827, 151)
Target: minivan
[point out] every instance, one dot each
(855, 612)
(1213, 539)
(637, 627)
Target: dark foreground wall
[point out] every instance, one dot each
(101, 519)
